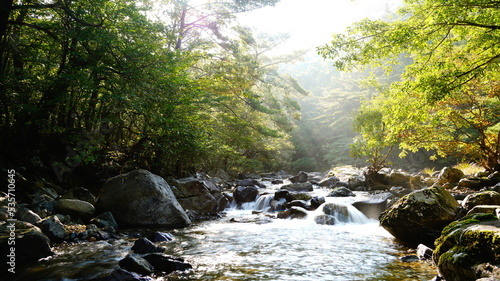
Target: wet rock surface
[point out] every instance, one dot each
(419, 217)
(142, 198)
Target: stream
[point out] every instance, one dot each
(248, 245)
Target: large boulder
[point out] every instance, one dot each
(140, 198)
(468, 249)
(30, 243)
(419, 217)
(200, 195)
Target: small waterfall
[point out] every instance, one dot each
(335, 213)
(261, 203)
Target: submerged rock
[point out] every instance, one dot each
(419, 217)
(141, 198)
(465, 246)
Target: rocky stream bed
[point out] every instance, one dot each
(260, 227)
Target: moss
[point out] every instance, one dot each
(468, 242)
(471, 219)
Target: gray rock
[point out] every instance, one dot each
(200, 195)
(450, 175)
(329, 182)
(424, 252)
(27, 215)
(124, 275)
(396, 178)
(244, 194)
(303, 186)
(140, 198)
(105, 220)
(145, 246)
(339, 212)
(293, 213)
(249, 182)
(484, 209)
(160, 237)
(317, 201)
(75, 208)
(481, 198)
(409, 258)
(325, 219)
(53, 228)
(167, 264)
(301, 177)
(341, 192)
(299, 203)
(136, 263)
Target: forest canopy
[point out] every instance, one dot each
(447, 100)
(120, 85)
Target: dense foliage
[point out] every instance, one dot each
(447, 100)
(110, 84)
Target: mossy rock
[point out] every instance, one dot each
(464, 244)
(419, 217)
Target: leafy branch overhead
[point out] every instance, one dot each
(188, 90)
(447, 98)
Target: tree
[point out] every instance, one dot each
(455, 54)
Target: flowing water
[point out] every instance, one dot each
(248, 246)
